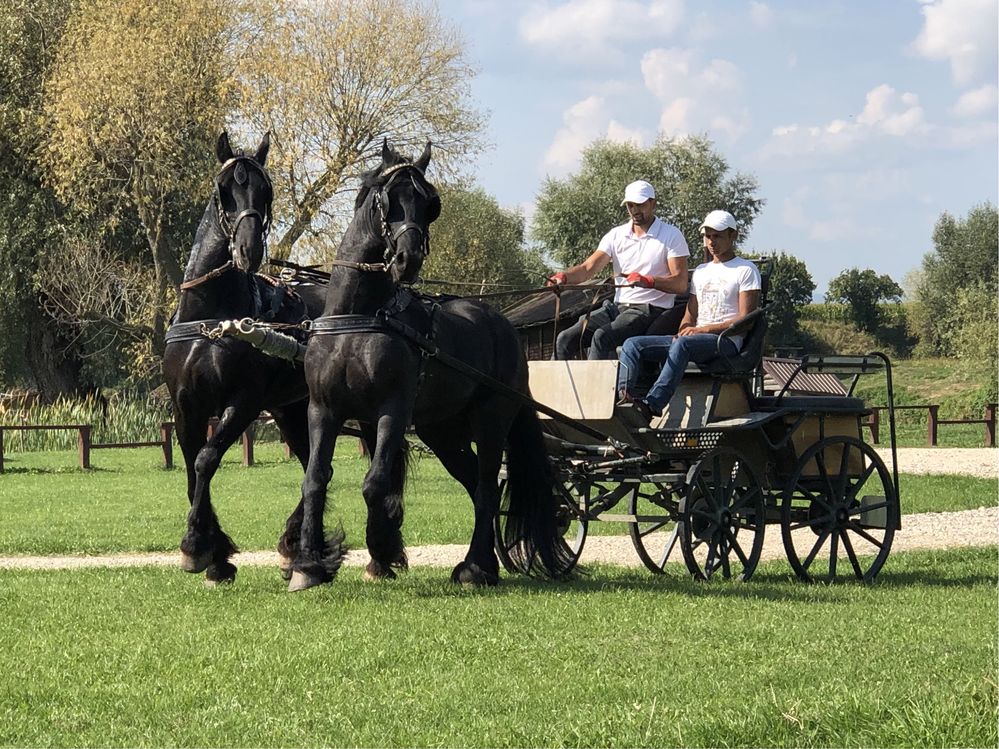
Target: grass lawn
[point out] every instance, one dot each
(128, 502)
(141, 657)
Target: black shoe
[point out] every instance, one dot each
(635, 413)
(646, 411)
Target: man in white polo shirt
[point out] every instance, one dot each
(651, 258)
(725, 290)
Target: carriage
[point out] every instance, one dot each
(724, 461)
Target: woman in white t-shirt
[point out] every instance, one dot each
(724, 291)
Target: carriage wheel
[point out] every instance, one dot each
(571, 521)
(839, 506)
(721, 516)
(655, 531)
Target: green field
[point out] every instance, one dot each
(145, 657)
(128, 502)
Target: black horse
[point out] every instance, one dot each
(371, 358)
(224, 377)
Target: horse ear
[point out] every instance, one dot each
(386, 152)
(265, 143)
(424, 161)
(223, 151)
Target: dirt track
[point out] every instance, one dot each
(979, 527)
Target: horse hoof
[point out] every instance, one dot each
(473, 576)
(195, 564)
(210, 583)
(376, 573)
(303, 581)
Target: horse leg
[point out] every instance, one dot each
(205, 546)
(480, 566)
(293, 421)
(319, 557)
(382, 490)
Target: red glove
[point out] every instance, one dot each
(556, 279)
(637, 279)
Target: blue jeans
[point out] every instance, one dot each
(676, 351)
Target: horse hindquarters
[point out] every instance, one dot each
(539, 549)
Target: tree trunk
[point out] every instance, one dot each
(55, 369)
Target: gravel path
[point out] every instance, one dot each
(931, 530)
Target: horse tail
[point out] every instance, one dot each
(537, 548)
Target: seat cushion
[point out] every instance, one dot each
(825, 403)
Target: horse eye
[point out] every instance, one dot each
(239, 174)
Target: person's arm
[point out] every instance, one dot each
(748, 301)
(690, 316)
(582, 272)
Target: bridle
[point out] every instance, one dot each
(230, 226)
(381, 205)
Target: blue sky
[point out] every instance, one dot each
(862, 121)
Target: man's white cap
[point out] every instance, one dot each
(719, 221)
(638, 192)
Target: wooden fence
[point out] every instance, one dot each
(933, 422)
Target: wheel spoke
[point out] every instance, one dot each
(834, 554)
(653, 529)
(669, 549)
(726, 567)
(844, 470)
(709, 561)
(810, 523)
(861, 480)
(867, 508)
(734, 543)
(852, 554)
(815, 549)
(745, 498)
(864, 534)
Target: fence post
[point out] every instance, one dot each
(85, 446)
(990, 429)
(166, 434)
(875, 424)
(1, 450)
(931, 425)
(248, 444)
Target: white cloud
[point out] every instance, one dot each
(980, 101)
(583, 122)
(893, 113)
(886, 112)
(962, 32)
(761, 15)
(595, 27)
(695, 95)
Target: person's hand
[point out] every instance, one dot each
(556, 279)
(690, 330)
(637, 279)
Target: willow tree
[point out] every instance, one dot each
(331, 78)
(134, 101)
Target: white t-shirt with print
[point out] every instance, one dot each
(717, 287)
(646, 255)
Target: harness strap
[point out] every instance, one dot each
(191, 331)
(210, 275)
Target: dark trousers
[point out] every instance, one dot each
(606, 329)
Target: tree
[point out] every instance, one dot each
(862, 291)
(964, 259)
(135, 100)
(331, 78)
(690, 177)
(791, 288)
(476, 241)
(32, 352)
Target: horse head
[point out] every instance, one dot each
(243, 195)
(404, 205)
